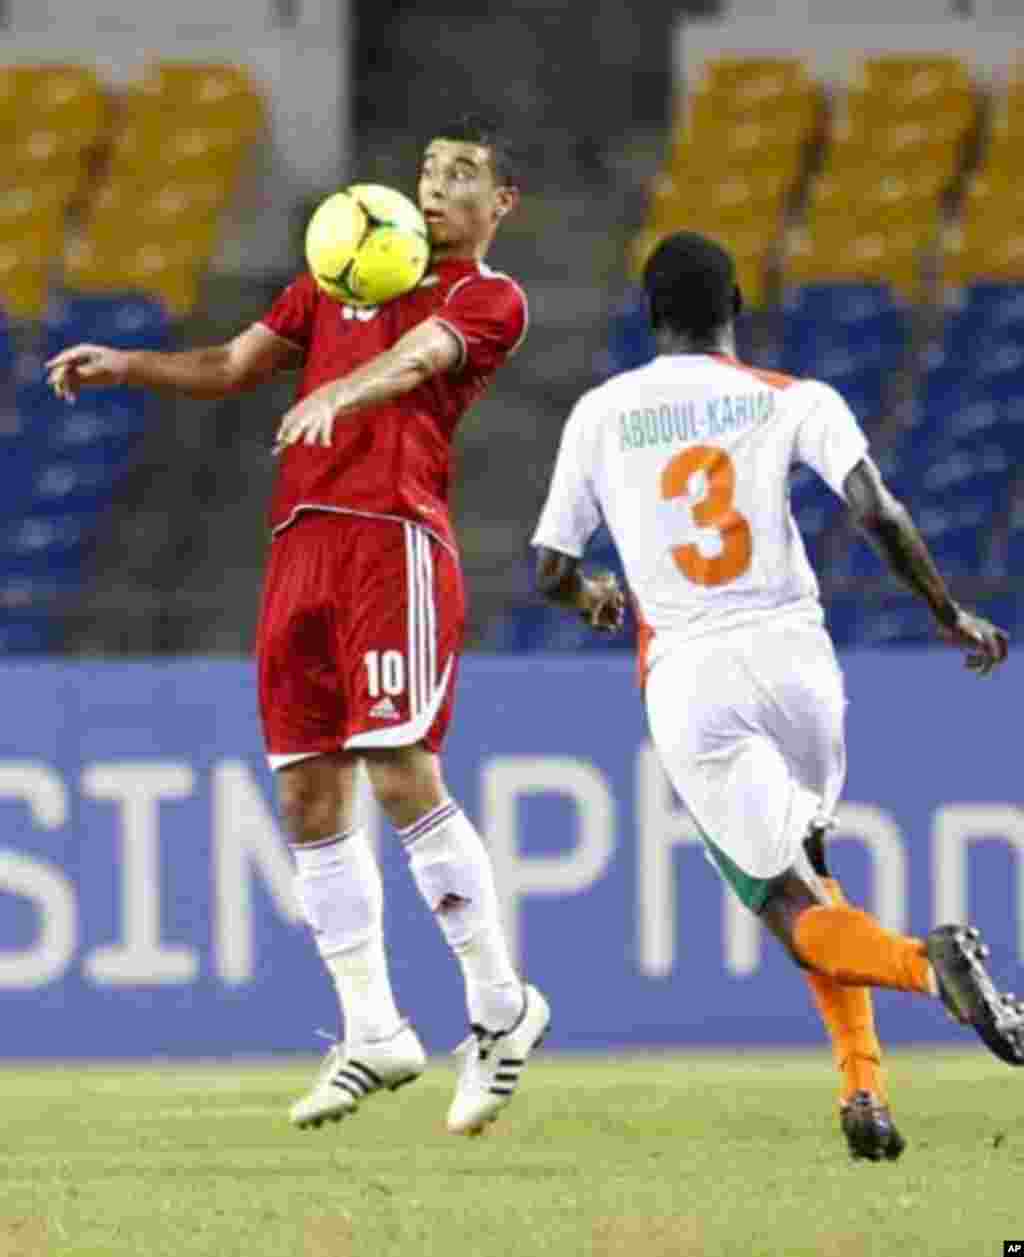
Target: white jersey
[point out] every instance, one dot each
(688, 459)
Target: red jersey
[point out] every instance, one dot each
(394, 460)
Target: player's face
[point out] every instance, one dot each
(460, 197)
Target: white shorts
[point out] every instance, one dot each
(749, 727)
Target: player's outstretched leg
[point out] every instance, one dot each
(508, 1019)
(956, 953)
(853, 949)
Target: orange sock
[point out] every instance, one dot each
(850, 1021)
(852, 949)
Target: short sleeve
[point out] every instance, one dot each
(572, 512)
(488, 316)
(291, 315)
(829, 439)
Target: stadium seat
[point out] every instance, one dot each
(127, 321)
(24, 277)
(846, 254)
(839, 302)
(49, 547)
(958, 535)
(877, 341)
(71, 487)
(905, 622)
(26, 632)
(167, 271)
(877, 198)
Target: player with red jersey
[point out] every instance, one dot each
(363, 614)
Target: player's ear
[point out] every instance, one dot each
(506, 199)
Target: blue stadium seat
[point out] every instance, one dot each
(815, 508)
(840, 302)
(71, 487)
(810, 343)
(898, 622)
(863, 388)
(630, 339)
(46, 548)
(26, 632)
(969, 472)
(995, 303)
(109, 435)
(958, 535)
(127, 321)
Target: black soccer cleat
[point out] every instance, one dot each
(869, 1130)
(957, 953)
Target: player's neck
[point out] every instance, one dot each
(722, 342)
(466, 251)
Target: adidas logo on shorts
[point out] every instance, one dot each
(384, 710)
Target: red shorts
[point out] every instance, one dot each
(359, 636)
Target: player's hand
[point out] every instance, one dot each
(89, 366)
(603, 603)
(310, 421)
(984, 644)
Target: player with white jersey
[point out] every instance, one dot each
(687, 460)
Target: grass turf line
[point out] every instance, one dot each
(646, 1156)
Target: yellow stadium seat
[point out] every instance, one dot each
(208, 94)
(877, 198)
(163, 202)
(776, 143)
(156, 210)
(191, 240)
(754, 79)
(994, 196)
(849, 253)
(25, 263)
(1005, 140)
(906, 79)
(192, 153)
(985, 251)
(740, 197)
(160, 269)
(933, 146)
(41, 199)
(866, 111)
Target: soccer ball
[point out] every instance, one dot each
(367, 245)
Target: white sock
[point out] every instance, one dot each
(339, 888)
(452, 870)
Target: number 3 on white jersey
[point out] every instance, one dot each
(710, 468)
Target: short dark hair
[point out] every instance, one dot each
(475, 128)
(690, 281)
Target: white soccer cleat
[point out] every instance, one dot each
(492, 1064)
(349, 1074)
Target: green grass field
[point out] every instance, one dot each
(645, 1157)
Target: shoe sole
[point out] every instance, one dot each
(967, 991)
(473, 1132)
(314, 1123)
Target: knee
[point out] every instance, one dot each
(405, 784)
(309, 811)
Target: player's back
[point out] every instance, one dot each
(689, 458)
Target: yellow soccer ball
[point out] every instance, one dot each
(367, 245)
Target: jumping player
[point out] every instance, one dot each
(361, 624)
(687, 460)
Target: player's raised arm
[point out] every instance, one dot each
(429, 349)
(214, 371)
(887, 525)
